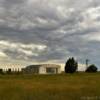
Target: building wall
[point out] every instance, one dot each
(34, 70)
(43, 69)
(59, 70)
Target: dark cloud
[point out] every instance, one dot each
(64, 27)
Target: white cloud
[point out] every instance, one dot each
(92, 37)
(90, 17)
(27, 49)
(93, 13)
(2, 54)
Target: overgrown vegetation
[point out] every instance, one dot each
(49, 87)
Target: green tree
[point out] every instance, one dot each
(71, 65)
(1, 71)
(92, 68)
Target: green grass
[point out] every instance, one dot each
(76, 86)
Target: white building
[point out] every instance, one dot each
(14, 67)
(42, 69)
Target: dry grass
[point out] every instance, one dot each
(50, 87)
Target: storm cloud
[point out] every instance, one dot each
(49, 31)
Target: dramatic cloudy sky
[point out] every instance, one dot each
(49, 30)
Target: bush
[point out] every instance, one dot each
(92, 68)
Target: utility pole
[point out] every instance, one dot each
(87, 62)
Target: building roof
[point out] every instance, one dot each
(32, 66)
(51, 65)
(43, 65)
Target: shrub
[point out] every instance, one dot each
(92, 68)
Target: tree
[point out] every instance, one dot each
(71, 65)
(92, 68)
(1, 71)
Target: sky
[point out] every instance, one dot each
(49, 31)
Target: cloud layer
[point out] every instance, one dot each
(50, 31)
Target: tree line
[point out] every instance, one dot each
(71, 66)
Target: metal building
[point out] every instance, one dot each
(42, 69)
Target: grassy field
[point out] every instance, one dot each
(78, 86)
